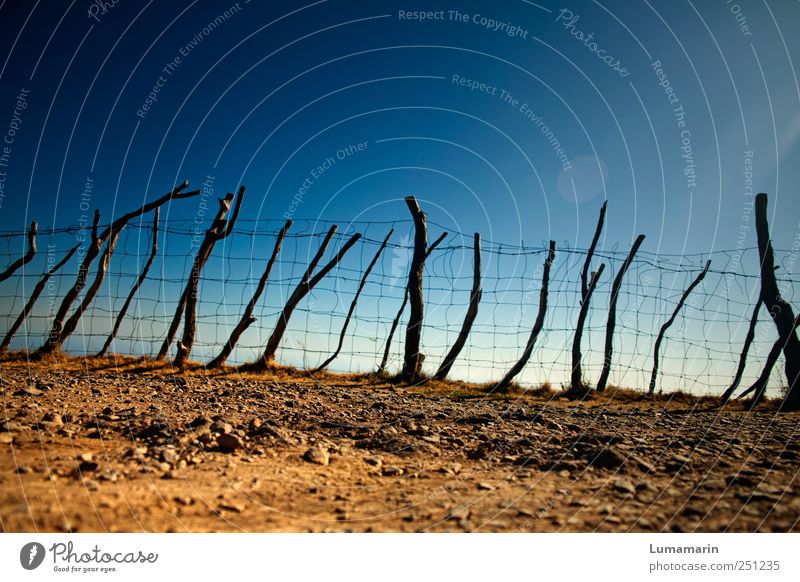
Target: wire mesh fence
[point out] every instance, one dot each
(700, 352)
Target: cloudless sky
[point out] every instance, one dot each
(656, 106)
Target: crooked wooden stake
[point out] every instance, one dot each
(469, 318)
(396, 321)
(577, 374)
(748, 341)
(760, 385)
(37, 291)
(307, 283)
(503, 385)
(220, 229)
(102, 268)
(203, 253)
(612, 314)
(587, 288)
(670, 321)
(352, 309)
(777, 307)
(56, 336)
(27, 257)
(247, 317)
(587, 263)
(135, 288)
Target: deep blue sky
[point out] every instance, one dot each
(278, 87)
(279, 95)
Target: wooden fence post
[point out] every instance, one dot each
(247, 317)
(748, 341)
(780, 311)
(502, 386)
(34, 296)
(469, 318)
(612, 314)
(353, 303)
(221, 228)
(576, 383)
(670, 321)
(135, 288)
(587, 288)
(396, 321)
(27, 257)
(307, 283)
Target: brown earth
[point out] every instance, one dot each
(123, 445)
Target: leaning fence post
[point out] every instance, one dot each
(221, 229)
(777, 307)
(27, 257)
(247, 317)
(670, 321)
(587, 288)
(135, 288)
(396, 321)
(748, 341)
(34, 296)
(612, 314)
(537, 326)
(307, 283)
(469, 318)
(577, 375)
(353, 303)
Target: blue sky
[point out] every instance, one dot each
(514, 119)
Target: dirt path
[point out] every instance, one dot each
(120, 449)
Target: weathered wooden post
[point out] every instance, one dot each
(748, 341)
(576, 383)
(135, 288)
(221, 228)
(587, 288)
(469, 318)
(612, 314)
(27, 257)
(354, 302)
(502, 386)
(307, 283)
(670, 321)
(780, 311)
(396, 321)
(247, 317)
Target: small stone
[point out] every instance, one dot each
(91, 485)
(183, 500)
(375, 461)
(6, 438)
(11, 426)
(87, 466)
(200, 421)
(228, 443)
(624, 486)
(221, 427)
(32, 391)
(483, 486)
(56, 419)
(317, 455)
(88, 457)
(169, 455)
(255, 424)
(392, 471)
(232, 506)
(22, 469)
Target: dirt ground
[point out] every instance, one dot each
(120, 445)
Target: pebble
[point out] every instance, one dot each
(228, 443)
(624, 485)
(392, 471)
(317, 455)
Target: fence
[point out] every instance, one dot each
(700, 352)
